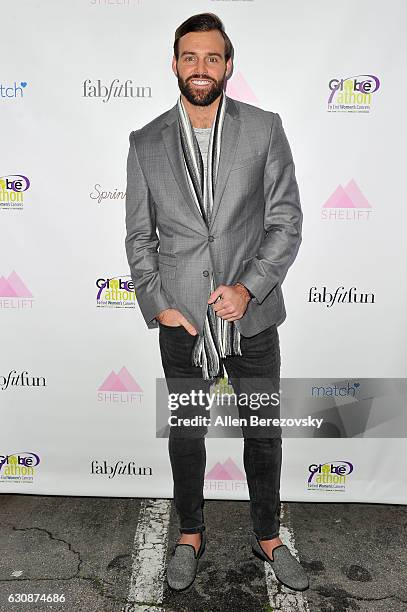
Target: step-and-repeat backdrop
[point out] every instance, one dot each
(78, 365)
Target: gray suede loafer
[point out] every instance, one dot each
(286, 567)
(183, 564)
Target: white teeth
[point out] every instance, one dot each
(200, 82)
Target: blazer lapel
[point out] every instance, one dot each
(230, 139)
(172, 141)
(229, 142)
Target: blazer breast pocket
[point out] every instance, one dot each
(253, 160)
(167, 265)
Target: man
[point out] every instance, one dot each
(216, 178)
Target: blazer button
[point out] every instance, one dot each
(205, 273)
(211, 238)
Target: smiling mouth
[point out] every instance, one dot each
(200, 82)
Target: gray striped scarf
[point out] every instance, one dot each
(220, 337)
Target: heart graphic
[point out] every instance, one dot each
(23, 84)
(356, 385)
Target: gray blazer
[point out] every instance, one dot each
(256, 224)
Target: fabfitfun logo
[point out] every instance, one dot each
(12, 188)
(330, 476)
(346, 204)
(16, 90)
(120, 388)
(352, 94)
(13, 379)
(339, 296)
(120, 468)
(115, 292)
(225, 476)
(14, 293)
(18, 467)
(115, 89)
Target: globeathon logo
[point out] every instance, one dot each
(14, 293)
(12, 191)
(115, 292)
(347, 204)
(225, 476)
(353, 94)
(107, 91)
(18, 467)
(120, 388)
(330, 476)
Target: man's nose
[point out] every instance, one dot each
(201, 66)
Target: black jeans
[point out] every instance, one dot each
(260, 359)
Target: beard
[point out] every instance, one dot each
(201, 97)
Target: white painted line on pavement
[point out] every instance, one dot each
(149, 557)
(280, 597)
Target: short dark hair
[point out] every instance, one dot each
(204, 22)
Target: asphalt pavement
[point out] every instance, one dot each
(93, 554)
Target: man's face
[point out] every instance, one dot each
(201, 68)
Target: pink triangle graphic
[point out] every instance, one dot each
(356, 195)
(6, 290)
(18, 285)
(238, 88)
(218, 472)
(233, 470)
(339, 199)
(128, 381)
(112, 383)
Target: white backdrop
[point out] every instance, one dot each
(78, 365)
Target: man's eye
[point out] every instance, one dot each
(189, 58)
(214, 59)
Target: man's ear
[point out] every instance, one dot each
(229, 67)
(174, 65)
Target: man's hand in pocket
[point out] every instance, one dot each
(174, 318)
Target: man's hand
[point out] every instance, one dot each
(232, 303)
(173, 318)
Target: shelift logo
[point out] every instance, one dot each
(115, 89)
(225, 476)
(347, 204)
(341, 295)
(14, 293)
(120, 468)
(21, 380)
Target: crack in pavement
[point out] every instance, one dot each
(339, 594)
(99, 583)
